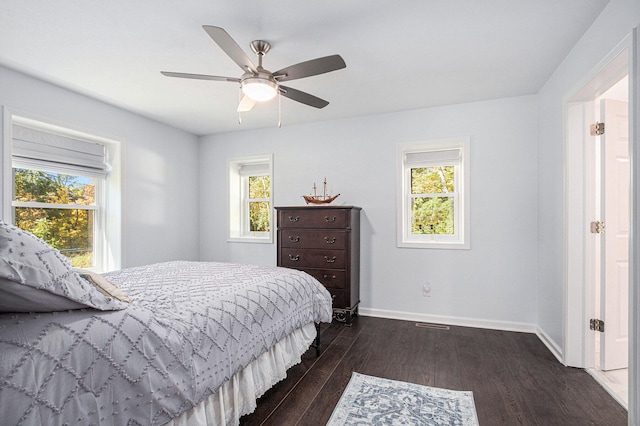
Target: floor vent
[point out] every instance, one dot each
(434, 326)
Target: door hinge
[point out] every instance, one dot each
(596, 227)
(596, 325)
(596, 129)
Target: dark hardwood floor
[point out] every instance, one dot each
(514, 378)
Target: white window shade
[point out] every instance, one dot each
(447, 157)
(37, 147)
(255, 169)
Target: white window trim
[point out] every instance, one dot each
(238, 200)
(108, 255)
(462, 196)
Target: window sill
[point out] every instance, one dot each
(442, 245)
(259, 240)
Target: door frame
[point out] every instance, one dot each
(634, 230)
(579, 201)
(579, 294)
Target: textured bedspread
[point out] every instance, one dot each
(192, 325)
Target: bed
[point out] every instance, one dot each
(177, 343)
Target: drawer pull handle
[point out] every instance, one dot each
(332, 260)
(330, 240)
(325, 276)
(294, 239)
(294, 258)
(328, 219)
(294, 219)
(333, 296)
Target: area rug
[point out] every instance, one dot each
(371, 400)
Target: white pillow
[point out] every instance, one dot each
(46, 275)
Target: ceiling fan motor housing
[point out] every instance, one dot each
(260, 86)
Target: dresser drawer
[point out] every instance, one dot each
(319, 239)
(312, 218)
(339, 298)
(308, 258)
(329, 278)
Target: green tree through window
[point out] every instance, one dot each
(432, 202)
(259, 194)
(59, 209)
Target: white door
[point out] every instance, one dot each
(614, 289)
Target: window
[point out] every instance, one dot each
(60, 209)
(433, 200)
(250, 199)
(63, 192)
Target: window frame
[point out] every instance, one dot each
(107, 224)
(461, 194)
(239, 201)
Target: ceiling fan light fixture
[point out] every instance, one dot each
(259, 89)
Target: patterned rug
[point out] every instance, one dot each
(371, 400)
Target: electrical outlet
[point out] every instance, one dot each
(426, 290)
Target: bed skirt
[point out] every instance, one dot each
(237, 397)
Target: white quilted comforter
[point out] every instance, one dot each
(191, 326)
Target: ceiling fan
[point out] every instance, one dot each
(259, 84)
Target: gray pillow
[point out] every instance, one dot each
(16, 297)
(35, 277)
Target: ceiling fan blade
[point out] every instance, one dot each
(230, 47)
(309, 68)
(302, 97)
(199, 76)
(246, 104)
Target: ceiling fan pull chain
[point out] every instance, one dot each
(239, 100)
(279, 110)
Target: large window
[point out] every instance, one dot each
(60, 209)
(64, 191)
(433, 207)
(250, 200)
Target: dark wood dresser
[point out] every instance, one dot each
(325, 243)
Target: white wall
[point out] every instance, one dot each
(160, 211)
(609, 29)
(495, 280)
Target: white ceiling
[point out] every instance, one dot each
(400, 55)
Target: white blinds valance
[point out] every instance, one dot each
(36, 146)
(253, 169)
(447, 157)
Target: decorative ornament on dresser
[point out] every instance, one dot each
(324, 242)
(314, 198)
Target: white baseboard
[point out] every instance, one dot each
(441, 319)
(551, 345)
(467, 322)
